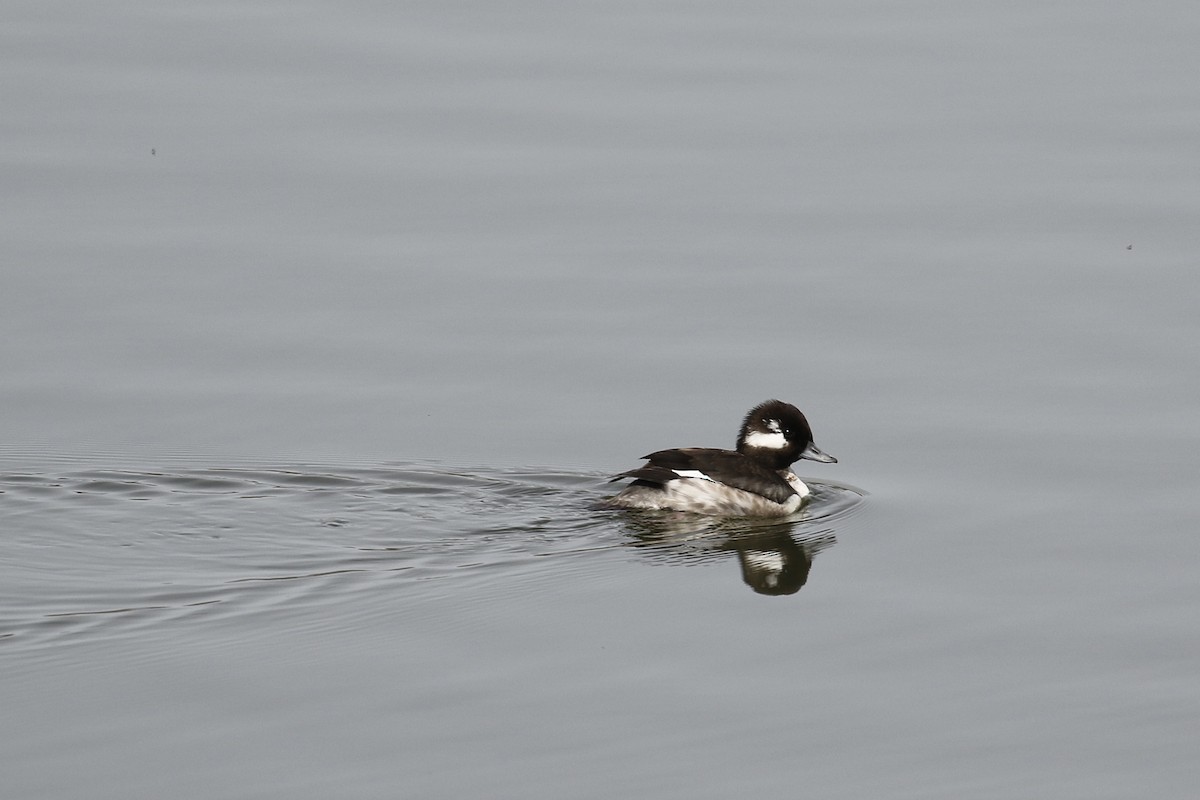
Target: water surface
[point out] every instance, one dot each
(322, 326)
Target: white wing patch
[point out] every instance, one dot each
(692, 473)
(775, 440)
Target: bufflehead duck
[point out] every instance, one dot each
(753, 481)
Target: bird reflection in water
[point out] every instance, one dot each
(774, 559)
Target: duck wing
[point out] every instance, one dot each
(710, 463)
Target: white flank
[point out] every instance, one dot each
(798, 486)
(703, 495)
(770, 441)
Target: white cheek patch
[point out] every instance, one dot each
(775, 440)
(692, 473)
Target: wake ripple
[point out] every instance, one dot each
(109, 551)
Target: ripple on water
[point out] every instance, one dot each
(107, 552)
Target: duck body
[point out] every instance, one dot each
(755, 480)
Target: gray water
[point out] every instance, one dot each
(322, 326)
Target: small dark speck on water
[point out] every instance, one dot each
(1128, 247)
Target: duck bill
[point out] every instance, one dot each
(813, 453)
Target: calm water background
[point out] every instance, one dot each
(321, 325)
